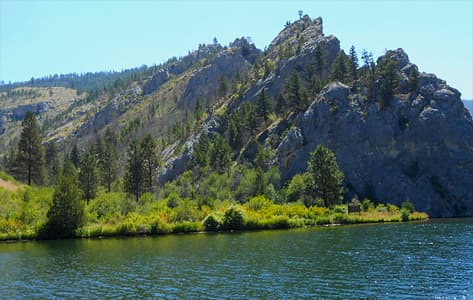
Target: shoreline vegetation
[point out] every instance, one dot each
(23, 215)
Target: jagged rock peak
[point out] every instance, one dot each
(398, 55)
(305, 26)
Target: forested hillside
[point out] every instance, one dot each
(302, 126)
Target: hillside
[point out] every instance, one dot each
(398, 133)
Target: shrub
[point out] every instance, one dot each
(211, 223)
(173, 200)
(340, 209)
(258, 203)
(405, 215)
(233, 219)
(367, 205)
(185, 227)
(393, 208)
(322, 220)
(407, 205)
(418, 216)
(381, 208)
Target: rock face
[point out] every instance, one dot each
(226, 64)
(156, 81)
(417, 145)
(419, 149)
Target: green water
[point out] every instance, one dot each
(411, 261)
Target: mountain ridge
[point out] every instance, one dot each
(215, 89)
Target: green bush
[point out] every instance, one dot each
(367, 205)
(187, 227)
(323, 220)
(233, 219)
(340, 209)
(258, 203)
(405, 214)
(407, 205)
(212, 223)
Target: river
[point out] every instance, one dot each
(425, 260)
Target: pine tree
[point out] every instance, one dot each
(353, 63)
(327, 177)
(413, 79)
(108, 165)
(264, 105)
(52, 163)
(201, 150)
(88, 176)
(340, 68)
(74, 156)
(318, 61)
(198, 111)
(134, 172)
(295, 93)
(150, 160)
(222, 86)
(66, 213)
(220, 153)
(281, 106)
(389, 78)
(30, 162)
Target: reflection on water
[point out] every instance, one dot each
(416, 260)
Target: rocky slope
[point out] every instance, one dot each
(420, 148)
(417, 146)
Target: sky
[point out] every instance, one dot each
(38, 38)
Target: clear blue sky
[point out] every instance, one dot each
(39, 38)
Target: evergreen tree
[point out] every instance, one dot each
(264, 105)
(248, 117)
(367, 58)
(88, 176)
(30, 162)
(198, 111)
(262, 156)
(318, 61)
(222, 86)
(353, 63)
(220, 154)
(52, 163)
(74, 156)
(389, 78)
(150, 160)
(66, 213)
(108, 165)
(327, 179)
(134, 172)
(260, 185)
(340, 68)
(281, 106)
(295, 93)
(201, 150)
(234, 132)
(413, 79)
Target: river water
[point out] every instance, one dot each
(427, 260)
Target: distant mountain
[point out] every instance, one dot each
(399, 134)
(469, 105)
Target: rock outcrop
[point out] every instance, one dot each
(416, 145)
(418, 149)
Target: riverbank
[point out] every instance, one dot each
(257, 214)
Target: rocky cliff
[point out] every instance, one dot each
(417, 145)
(419, 148)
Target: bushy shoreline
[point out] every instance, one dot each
(112, 214)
